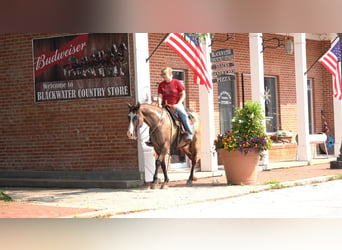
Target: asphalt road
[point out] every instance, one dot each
(323, 200)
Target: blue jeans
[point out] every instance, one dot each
(185, 119)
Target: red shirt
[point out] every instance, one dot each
(170, 91)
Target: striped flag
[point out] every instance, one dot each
(190, 50)
(332, 61)
(325, 123)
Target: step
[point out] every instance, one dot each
(68, 183)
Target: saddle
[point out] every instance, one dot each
(176, 120)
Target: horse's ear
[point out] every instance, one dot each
(138, 105)
(129, 105)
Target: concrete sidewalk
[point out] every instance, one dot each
(102, 203)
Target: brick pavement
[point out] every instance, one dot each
(27, 210)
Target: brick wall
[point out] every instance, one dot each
(91, 134)
(63, 135)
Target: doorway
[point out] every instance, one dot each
(179, 159)
(227, 102)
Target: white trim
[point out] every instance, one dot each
(143, 95)
(303, 147)
(208, 153)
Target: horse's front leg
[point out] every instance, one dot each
(166, 178)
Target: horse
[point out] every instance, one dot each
(164, 134)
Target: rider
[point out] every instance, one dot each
(171, 92)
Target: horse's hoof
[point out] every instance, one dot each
(164, 186)
(189, 183)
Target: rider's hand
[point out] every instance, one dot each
(175, 106)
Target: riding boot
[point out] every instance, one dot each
(149, 142)
(185, 120)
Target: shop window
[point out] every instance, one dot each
(310, 107)
(271, 104)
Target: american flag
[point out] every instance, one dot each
(325, 123)
(190, 50)
(332, 61)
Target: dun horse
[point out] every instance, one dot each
(164, 136)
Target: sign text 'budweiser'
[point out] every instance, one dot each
(81, 66)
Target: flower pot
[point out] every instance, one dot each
(241, 168)
(220, 153)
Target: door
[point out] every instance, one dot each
(179, 159)
(226, 99)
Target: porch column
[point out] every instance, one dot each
(303, 146)
(143, 95)
(208, 154)
(257, 77)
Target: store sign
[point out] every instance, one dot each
(225, 98)
(222, 55)
(222, 70)
(81, 66)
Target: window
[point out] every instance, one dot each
(310, 106)
(271, 104)
(227, 102)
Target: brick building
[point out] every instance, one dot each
(83, 142)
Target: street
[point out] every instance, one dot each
(323, 200)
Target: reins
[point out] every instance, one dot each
(157, 125)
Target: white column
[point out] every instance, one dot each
(337, 125)
(208, 153)
(257, 77)
(303, 146)
(143, 95)
(257, 68)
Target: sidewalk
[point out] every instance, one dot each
(103, 203)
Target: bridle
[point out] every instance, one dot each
(140, 121)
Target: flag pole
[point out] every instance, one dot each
(157, 47)
(319, 57)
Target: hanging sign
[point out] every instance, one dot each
(81, 66)
(222, 70)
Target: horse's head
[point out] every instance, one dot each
(135, 120)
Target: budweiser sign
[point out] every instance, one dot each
(46, 59)
(81, 66)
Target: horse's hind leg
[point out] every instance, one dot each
(191, 176)
(166, 178)
(194, 161)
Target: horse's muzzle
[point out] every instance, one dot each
(131, 136)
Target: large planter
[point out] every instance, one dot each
(241, 168)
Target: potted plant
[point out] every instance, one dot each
(244, 144)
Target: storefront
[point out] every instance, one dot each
(64, 100)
